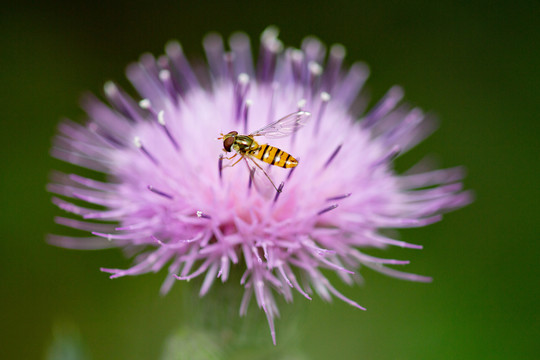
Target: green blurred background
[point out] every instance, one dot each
(474, 64)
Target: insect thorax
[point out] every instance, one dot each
(243, 143)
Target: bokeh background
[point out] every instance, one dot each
(474, 64)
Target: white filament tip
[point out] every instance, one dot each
(275, 46)
(270, 32)
(110, 88)
(164, 74)
(243, 78)
(145, 104)
(338, 51)
(325, 96)
(297, 55)
(161, 118)
(137, 142)
(315, 68)
(174, 47)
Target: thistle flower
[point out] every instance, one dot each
(172, 201)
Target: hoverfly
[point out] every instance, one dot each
(249, 149)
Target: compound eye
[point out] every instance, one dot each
(227, 143)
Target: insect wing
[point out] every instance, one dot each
(259, 178)
(284, 126)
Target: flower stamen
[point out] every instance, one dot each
(339, 197)
(200, 214)
(138, 143)
(270, 47)
(325, 98)
(121, 102)
(247, 105)
(159, 192)
(325, 210)
(166, 79)
(161, 121)
(333, 156)
(176, 55)
(220, 167)
(335, 59)
(240, 92)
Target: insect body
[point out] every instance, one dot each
(248, 148)
(245, 145)
(274, 156)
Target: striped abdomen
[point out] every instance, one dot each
(274, 156)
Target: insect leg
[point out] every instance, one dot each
(241, 157)
(264, 172)
(230, 158)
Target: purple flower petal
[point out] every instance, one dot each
(165, 196)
